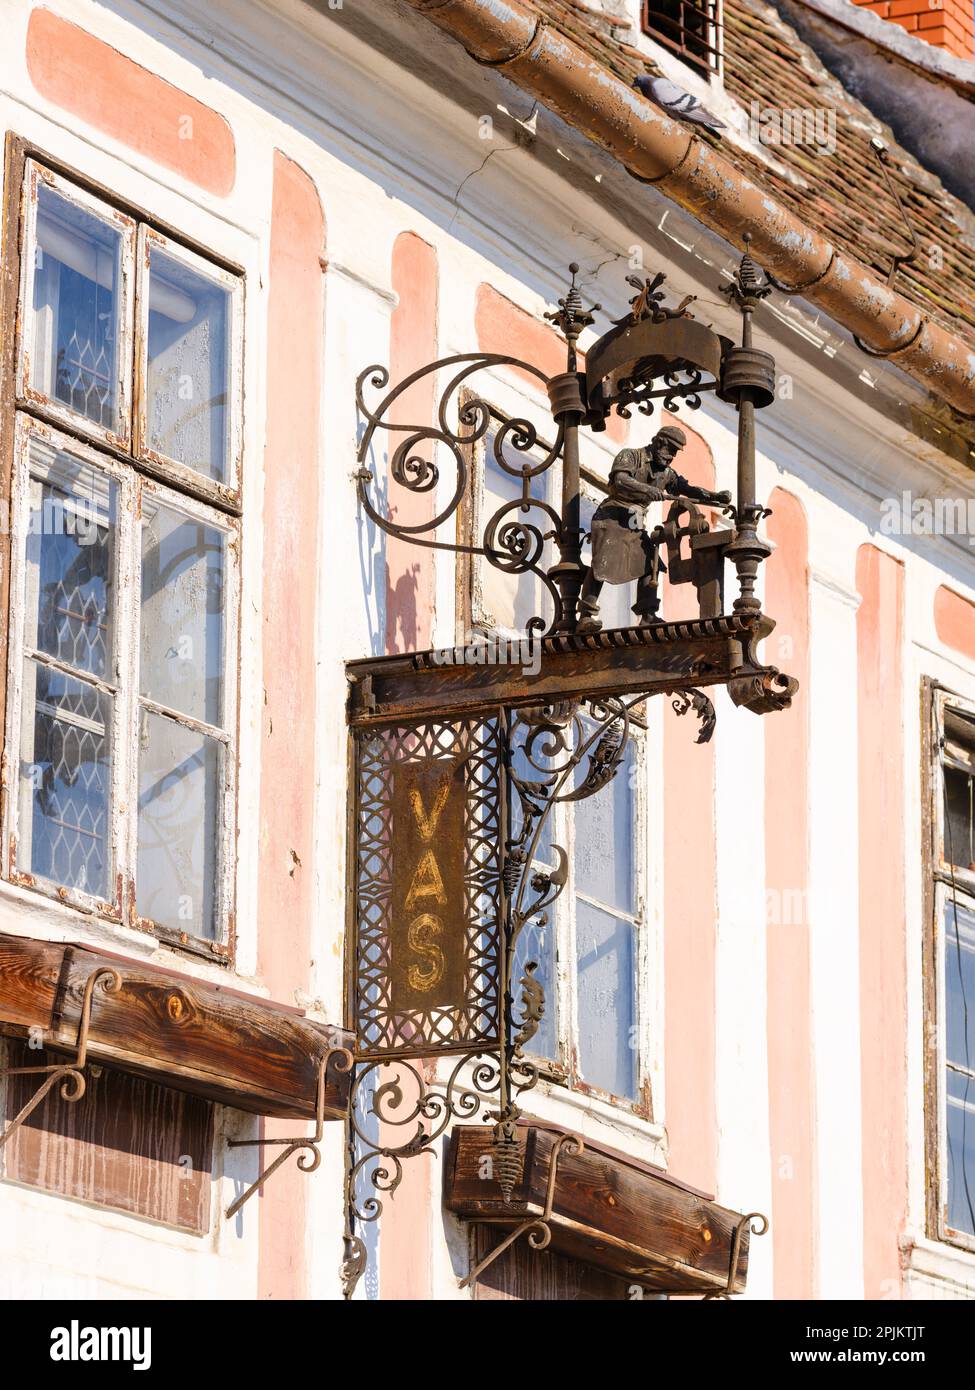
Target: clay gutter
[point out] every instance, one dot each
(510, 36)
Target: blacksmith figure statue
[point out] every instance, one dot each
(622, 548)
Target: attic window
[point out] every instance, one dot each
(691, 28)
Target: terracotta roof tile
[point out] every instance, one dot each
(841, 195)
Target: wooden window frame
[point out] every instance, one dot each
(219, 505)
(674, 40)
(470, 617)
(941, 881)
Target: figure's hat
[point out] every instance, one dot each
(671, 432)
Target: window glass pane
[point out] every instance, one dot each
(960, 985)
(188, 375)
(961, 1152)
(606, 965)
(533, 769)
(180, 786)
(509, 600)
(75, 337)
(71, 561)
(65, 781)
(182, 637)
(958, 818)
(537, 943)
(604, 833)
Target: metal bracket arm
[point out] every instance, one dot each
(307, 1162)
(729, 1288)
(70, 1074)
(537, 1228)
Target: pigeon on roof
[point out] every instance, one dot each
(676, 102)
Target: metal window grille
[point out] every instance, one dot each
(691, 28)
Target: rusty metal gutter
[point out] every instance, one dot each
(515, 39)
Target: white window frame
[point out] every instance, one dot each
(947, 880)
(568, 1068)
(181, 474)
(123, 825)
(56, 410)
(34, 415)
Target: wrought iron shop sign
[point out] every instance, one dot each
(459, 762)
(428, 858)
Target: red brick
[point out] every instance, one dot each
(907, 21)
(941, 37)
(927, 23)
(881, 7)
(918, 7)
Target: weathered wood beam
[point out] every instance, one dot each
(179, 1031)
(625, 661)
(609, 1212)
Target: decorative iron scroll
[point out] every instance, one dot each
(515, 535)
(653, 355)
(507, 771)
(449, 813)
(71, 1074)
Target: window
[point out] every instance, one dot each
(951, 1001)
(590, 949)
(125, 464)
(129, 1144)
(690, 28)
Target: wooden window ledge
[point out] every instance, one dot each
(178, 1031)
(610, 1211)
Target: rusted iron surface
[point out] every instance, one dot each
(661, 659)
(427, 885)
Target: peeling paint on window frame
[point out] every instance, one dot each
(190, 492)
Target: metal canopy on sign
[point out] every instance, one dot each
(460, 760)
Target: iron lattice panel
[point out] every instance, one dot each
(402, 772)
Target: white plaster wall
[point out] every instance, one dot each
(386, 165)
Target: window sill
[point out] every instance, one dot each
(28, 912)
(934, 1269)
(599, 1120)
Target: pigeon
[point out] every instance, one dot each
(676, 102)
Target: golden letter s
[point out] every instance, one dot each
(420, 936)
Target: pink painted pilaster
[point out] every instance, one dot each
(405, 1251)
(410, 575)
(289, 516)
(883, 926)
(690, 906)
(954, 621)
(790, 1053)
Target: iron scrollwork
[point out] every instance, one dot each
(71, 1074)
(399, 1108)
(524, 758)
(516, 534)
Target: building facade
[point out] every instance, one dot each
(760, 974)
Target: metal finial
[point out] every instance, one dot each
(749, 284)
(571, 316)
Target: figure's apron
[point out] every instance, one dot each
(621, 549)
